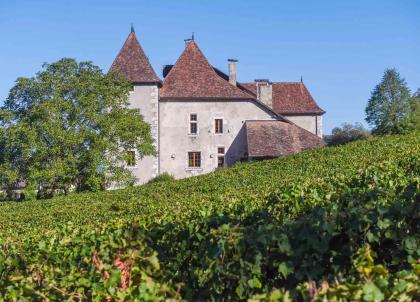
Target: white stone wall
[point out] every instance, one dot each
(176, 142)
(320, 125)
(146, 98)
(169, 122)
(312, 123)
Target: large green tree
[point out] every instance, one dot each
(389, 109)
(69, 127)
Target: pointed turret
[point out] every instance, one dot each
(193, 77)
(133, 63)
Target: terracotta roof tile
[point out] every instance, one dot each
(276, 138)
(193, 77)
(133, 63)
(290, 98)
(252, 87)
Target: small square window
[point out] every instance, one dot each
(193, 117)
(194, 159)
(218, 125)
(221, 150)
(131, 158)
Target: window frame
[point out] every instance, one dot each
(194, 167)
(216, 128)
(191, 122)
(221, 155)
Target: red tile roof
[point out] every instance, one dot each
(276, 138)
(133, 63)
(193, 77)
(252, 87)
(290, 98)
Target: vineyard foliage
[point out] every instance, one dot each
(332, 224)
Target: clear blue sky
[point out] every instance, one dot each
(341, 48)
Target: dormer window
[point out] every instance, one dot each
(218, 126)
(193, 124)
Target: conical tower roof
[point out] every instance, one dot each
(133, 63)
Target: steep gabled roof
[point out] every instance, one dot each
(290, 98)
(275, 138)
(133, 63)
(293, 98)
(168, 68)
(193, 77)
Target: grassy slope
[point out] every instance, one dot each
(239, 232)
(178, 200)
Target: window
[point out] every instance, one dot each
(220, 161)
(194, 159)
(218, 125)
(193, 123)
(131, 158)
(220, 157)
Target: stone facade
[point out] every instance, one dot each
(176, 141)
(146, 98)
(312, 123)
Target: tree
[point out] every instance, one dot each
(347, 133)
(415, 109)
(69, 127)
(389, 109)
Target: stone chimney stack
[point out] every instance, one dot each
(232, 71)
(265, 91)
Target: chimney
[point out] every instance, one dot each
(265, 92)
(232, 71)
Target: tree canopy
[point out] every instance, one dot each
(346, 133)
(390, 109)
(415, 105)
(69, 127)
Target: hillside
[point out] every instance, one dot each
(344, 215)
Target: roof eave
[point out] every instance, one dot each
(158, 83)
(192, 98)
(302, 112)
(264, 156)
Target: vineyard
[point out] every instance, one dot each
(331, 224)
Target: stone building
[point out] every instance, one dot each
(202, 118)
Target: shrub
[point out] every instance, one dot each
(347, 133)
(163, 177)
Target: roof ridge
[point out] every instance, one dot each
(202, 54)
(176, 63)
